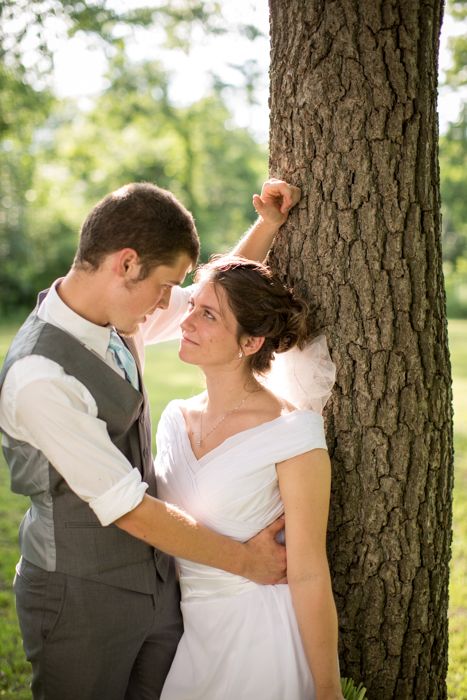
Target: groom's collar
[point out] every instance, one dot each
(54, 311)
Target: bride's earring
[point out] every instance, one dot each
(240, 354)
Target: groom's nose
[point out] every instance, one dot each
(164, 299)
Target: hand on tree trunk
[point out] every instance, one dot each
(276, 200)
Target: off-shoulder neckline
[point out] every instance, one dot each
(177, 403)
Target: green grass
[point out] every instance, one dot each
(14, 669)
(457, 675)
(167, 377)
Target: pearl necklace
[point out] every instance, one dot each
(198, 437)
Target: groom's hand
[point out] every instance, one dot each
(267, 561)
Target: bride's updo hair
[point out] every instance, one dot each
(261, 304)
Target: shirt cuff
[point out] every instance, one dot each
(123, 497)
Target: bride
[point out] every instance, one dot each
(236, 457)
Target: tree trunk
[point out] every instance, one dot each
(354, 124)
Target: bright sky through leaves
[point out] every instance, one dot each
(80, 63)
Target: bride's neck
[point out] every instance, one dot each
(226, 389)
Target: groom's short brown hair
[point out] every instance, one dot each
(141, 216)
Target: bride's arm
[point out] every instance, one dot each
(305, 483)
(273, 205)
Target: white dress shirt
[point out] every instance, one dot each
(52, 411)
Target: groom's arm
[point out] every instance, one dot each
(165, 527)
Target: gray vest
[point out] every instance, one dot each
(60, 532)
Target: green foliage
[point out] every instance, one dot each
(132, 133)
(23, 110)
(456, 289)
(352, 691)
(31, 24)
(456, 76)
(58, 160)
(452, 161)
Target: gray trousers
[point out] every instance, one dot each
(89, 641)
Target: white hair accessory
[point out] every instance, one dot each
(303, 377)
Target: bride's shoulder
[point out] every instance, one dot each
(301, 417)
(303, 429)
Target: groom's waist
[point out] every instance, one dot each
(82, 547)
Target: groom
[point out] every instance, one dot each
(96, 593)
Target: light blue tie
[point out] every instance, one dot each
(124, 358)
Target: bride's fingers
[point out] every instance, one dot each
(258, 204)
(284, 194)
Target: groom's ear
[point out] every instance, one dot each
(126, 263)
(251, 344)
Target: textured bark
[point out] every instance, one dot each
(354, 124)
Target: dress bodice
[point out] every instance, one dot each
(233, 489)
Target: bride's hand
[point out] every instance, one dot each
(266, 557)
(276, 200)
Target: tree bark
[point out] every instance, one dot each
(354, 124)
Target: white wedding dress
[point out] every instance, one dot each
(241, 639)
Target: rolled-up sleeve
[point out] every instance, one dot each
(57, 415)
(123, 497)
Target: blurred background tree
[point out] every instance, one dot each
(59, 159)
(59, 156)
(453, 170)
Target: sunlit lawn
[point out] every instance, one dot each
(457, 677)
(166, 377)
